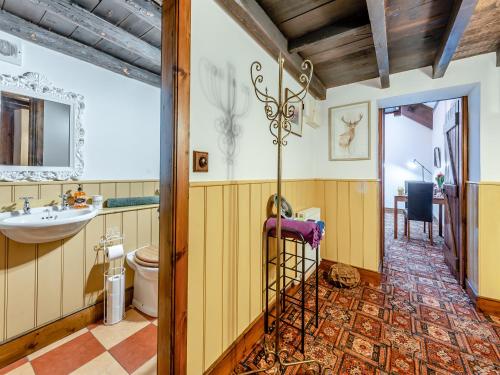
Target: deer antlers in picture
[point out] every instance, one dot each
(346, 138)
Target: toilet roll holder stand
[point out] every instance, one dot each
(111, 239)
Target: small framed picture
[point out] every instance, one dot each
(349, 127)
(11, 52)
(298, 114)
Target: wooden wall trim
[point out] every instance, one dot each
(69, 182)
(174, 187)
(485, 304)
(239, 349)
(41, 337)
(251, 182)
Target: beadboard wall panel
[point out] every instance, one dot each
(489, 238)
(43, 283)
(472, 235)
(227, 250)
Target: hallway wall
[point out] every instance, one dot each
(226, 253)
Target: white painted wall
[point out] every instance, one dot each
(405, 140)
(463, 77)
(222, 49)
(121, 117)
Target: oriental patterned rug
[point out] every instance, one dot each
(417, 321)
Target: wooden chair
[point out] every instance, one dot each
(419, 206)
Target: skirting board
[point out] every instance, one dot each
(242, 346)
(487, 305)
(41, 337)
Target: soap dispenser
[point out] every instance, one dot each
(80, 198)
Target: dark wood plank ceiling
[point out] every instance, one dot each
(338, 35)
(127, 31)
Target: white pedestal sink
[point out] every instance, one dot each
(44, 224)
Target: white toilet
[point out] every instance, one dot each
(144, 262)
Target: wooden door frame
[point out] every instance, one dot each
(174, 187)
(464, 131)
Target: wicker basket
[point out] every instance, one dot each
(344, 276)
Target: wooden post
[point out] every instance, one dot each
(174, 187)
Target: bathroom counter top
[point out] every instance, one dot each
(107, 211)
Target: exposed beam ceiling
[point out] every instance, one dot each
(100, 27)
(459, 19)
(28, 31)
(376, 12)
(326, 35)
(146, 10)
(254, 19)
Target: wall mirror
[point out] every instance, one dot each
(41, 133)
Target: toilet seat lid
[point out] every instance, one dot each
(145, 264)
(148, 254)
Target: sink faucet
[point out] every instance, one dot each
(64, 202)
(26, 205)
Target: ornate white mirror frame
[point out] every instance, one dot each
(36, 85)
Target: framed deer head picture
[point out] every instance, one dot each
(349, 136)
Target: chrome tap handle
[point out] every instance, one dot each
(26, 205)
(64, 203)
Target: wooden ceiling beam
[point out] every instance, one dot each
(459, 19)
(376, 12)
(147, 10)
(86, 20)
(17, 26)
(259, 25)
(326, 35)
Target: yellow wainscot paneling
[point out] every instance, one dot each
(243, 276)
(94, 261)
(52, 191)
(122, 190)
(489, 240)
(356, 198)
(129, 232)
(229, 268)
(3, 276)
(196, 300)
(371, 227)
(143, 228)
(21, 288)
(73, 274)
(92, 189)
(213, 273)
(108, 190)
(49, 285)
(25, 191)
(155, 227)
(136, 189)
(5, 197)
(343, 231)
(256, 225)
(148, 188)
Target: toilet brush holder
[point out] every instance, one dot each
(114, 295)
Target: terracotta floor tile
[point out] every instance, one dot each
(69, 356)
(104, 364)
(136, 350)
(13, 366)
(50, 347)
(149, 368)
(109, 336)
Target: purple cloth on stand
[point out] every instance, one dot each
(308, 229)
